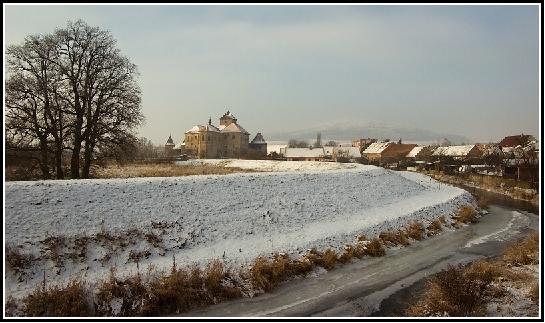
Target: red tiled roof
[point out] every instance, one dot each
(513, 141)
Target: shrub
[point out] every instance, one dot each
(261, 274)
(69, 300)
(466, 214)
(17, 260)
(394, 237)
(415, 230)
(457, 291)
(130, 292)
(434, 227)
(329, 259)
(375, 248)
(302, 266)
(353, 251)
(524, 252)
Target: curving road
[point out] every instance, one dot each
(359, 288)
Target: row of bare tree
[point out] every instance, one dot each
(70, 93)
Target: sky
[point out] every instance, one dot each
(467, 70)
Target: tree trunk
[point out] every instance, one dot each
(87, 160)
(44, 156)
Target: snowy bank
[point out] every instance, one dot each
(234, 217)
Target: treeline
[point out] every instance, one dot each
(70, 96)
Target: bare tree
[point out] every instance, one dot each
(75, 90)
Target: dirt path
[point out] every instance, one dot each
(358, 289)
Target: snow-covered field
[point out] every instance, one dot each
(234, 217)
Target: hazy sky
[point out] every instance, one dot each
(468, 70)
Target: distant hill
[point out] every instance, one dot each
(350, 130)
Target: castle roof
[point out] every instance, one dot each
(233, 127)
(258, 139)
(203, 128)
(170, 142)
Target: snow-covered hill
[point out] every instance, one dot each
(234, 217)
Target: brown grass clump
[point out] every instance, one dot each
(524, 252)
(352, 251)
(329, 259)
(17, 260)
(69, 300)
(186, 289)
(54, 245)
(130, 292)
(263, 275)
(457, 291)
(434, 228)
(394, 238)
(415, 230)
(375, 248)
(466, 214)
(164, 170)
(153, 239)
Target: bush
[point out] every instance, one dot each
(394, 237)
(415, 230)
(353, 251)
(16, 260)
(375, 248)
(69, 300)
(329, 259)
(457, 291)
(130, 292)
(466, 214)
(524, 252)
(434, 227)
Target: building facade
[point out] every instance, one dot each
(228, 140)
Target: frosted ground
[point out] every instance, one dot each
(290, 207)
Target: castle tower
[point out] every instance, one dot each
(169, 146)
(227, 119)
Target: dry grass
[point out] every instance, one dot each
(434, 228)
(458, 291)
(375, 248)
(466, 214)
(329, 259)
(394, 238)
(69, 300)
(164, 170)
(153, 239)
(130, 292)
(415, 230)
(524, 252)
(466, 290)
(353, 251)
(17, 260)
(55, 245)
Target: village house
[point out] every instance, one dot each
(387, 151)
(458, 152)
(303, 154)
(362, 143)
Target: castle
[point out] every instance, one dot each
(228, 140)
